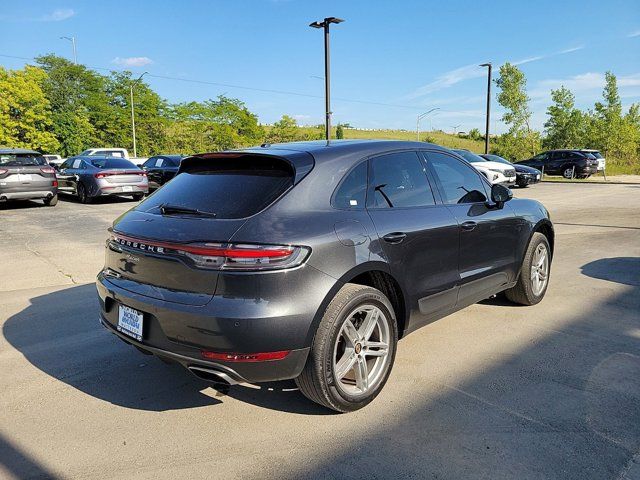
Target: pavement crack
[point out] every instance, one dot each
(50, 262)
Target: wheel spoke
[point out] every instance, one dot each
(362, 374)
(369, 324)
(345, 364)
(380, 349)
(350, 333)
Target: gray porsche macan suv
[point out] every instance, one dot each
(309, 260)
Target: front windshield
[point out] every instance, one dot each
(470, 157)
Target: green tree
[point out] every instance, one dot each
(520, 140)
(339, 132)
(565, 126)
(284, 130)
(79, 103)
(474, 134)
(25, 112)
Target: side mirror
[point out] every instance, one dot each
(500, 194)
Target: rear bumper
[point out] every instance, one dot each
(231, 373)
(18, 194)
(248, 314)
(121, 190)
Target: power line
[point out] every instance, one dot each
(244, 87)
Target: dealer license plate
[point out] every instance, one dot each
(130, 322)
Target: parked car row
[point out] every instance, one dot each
(570, 163)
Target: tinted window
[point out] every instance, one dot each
(110, 162)
(19, 159)
(596, 154)
(230, 188)
(352, 191)
(149, 163)
(540, 156)
(459, 182)
(400, 180)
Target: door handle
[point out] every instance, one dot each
(468, 226)
(395, 237)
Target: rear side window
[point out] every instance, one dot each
(21, 159)
(399, 180)
(229, 187)
(352, 192)
(459, 183)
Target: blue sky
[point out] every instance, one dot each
(408, 55)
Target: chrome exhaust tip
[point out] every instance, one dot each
(212, 375)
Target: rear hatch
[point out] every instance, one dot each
(161, 249)
(117, 171)
(25, 172)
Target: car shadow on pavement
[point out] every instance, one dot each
(20, 464)
(108, 199)
(21, 205)
(59, 333)
(564, 404)
(625, 270)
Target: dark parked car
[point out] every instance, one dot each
(568, 163)
(25, 175)
(309, 260)
(161, 168)
(90, 177)
(525, 176)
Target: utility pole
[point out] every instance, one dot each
(327, 73)
(486, 133)
(133, 116)
(420, 117)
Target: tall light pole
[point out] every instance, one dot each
(420, 117)
(486, 133)
(455, 128)
(133, 116)
(327, 75)
(73, 42)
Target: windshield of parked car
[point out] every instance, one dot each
(496, 158)
(596, 154)
(470, 157)
(21, 159)
(110, 162)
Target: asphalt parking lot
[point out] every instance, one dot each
(494, 391)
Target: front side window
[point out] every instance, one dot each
(459, 183)
(399, 180)
(352, 191)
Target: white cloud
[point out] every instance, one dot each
(587, 86)
(58, 15)
(468, 72)
(634, 34)
(132, 61)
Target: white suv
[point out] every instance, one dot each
(495, 172)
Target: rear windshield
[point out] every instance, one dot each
(111, 163)
(20, 159)
(230, 188)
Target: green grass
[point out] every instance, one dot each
(440, 138)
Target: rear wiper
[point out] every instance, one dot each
(167, 209)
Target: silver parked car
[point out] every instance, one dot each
(89, 177)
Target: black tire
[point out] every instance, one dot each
(317, 380)
(523, 292)
(81, 192)
(138, 196)
(523, 185)
(51, 201)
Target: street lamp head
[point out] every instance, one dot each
(326, 22)
(485, 64)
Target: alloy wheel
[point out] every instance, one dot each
(539, 269)
(361, 351)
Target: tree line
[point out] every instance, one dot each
(56, 106)
(605, 127)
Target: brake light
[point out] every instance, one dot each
(245, 357)
(100, 175)
(55, 183)
(224, 256)
(47, 170)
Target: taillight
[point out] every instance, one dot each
(55, 183)
(224, 256)
(100, 175)
(47, 170)
(244, 357)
